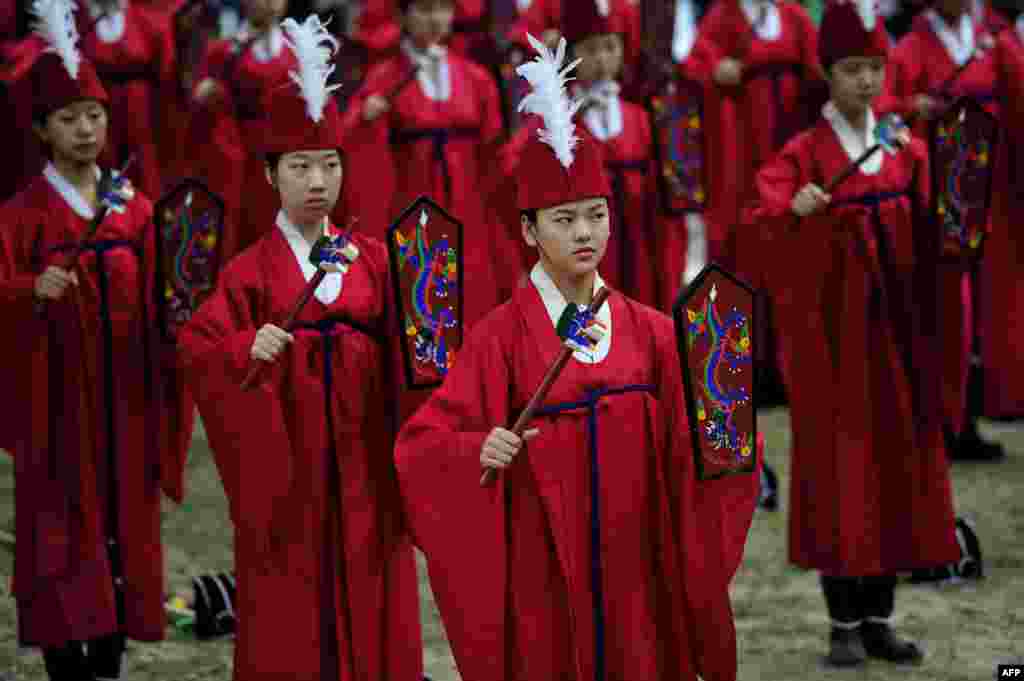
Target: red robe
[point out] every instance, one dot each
(227, 137)
(920, 64)
(523, 607)
(1002, 279)
(756, 119)
(137, 70)
(444, 149)
(870, 488)
(321, 497)
(95, 385)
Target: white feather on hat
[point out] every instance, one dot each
(549, 98)
(313, 47)
(55, 24)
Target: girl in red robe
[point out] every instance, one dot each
(870, 485)
(94, 442)
(437, 136)
(326, 576)
(942, 58)
(598, 555)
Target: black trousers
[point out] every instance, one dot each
(853, 599)
(85, 661)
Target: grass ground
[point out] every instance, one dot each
(780, 616)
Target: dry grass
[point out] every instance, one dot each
(779, 610)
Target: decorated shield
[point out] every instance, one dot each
(714, 321)
(425, 247)
(677, 119)
(189, 224)
(963, 142)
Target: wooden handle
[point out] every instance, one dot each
(256, 369)
(851, 169)
(541, 393)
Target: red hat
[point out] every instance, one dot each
(301, 113)
(584, 18)
(51, 59)
(851, 28)
(556, 166)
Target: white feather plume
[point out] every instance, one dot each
(866, 10)
(604, 7)
(313, 47)
(549, 98)
(55, 23)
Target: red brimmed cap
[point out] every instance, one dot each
(851, 28)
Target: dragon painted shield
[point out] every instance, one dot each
(425, 248)
(677, 118)
(963, 142)
(189, 223)
(714, 321)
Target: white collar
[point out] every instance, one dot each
(330, 288)
(68, 192)
(604, 118)
(684, 34)
(959, 44)
(110, 28)
(268, 47)
(555, 302)
(435, 85)
(853, 142)
(771, 29)
(522, 5)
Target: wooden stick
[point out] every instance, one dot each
(852, 168)
(535, 402)
(251, 379)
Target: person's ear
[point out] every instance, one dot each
(270, 176)
(529, 231)
(41, 133)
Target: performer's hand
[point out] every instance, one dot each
(209, 92)
(374, 106)
(925, 105)
(270, 342)
(810, 200)
(729, 72)
(501, 446)
(54, 282)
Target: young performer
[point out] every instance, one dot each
(325, 573)
(227, 120)
(870, 484)
(94, 441)
(435, 136)
(946, 56)
(598, 555)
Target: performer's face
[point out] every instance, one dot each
(76, 133)
(264, 12)
(602, 56)
(429, 22)
(572, 237)
(855, 82)
(309, 183)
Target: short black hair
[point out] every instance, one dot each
(530, 214)
(271, 158)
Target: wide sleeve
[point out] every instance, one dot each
(460, 526)
(246, 429)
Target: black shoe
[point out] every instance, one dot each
(845, 648)
(769, 500)
(881, 642)
(970, 447)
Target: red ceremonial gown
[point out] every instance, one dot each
(531, 603)
(326, 574)
(870, 484)
(921, 64)
(444, 149)
(137, 70)
(94, 385)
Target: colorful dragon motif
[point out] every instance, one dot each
(728, 350)
(953, 203)
(681, 137)
(192, 260)
(436, 276)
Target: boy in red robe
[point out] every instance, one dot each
(90, 430)
(944, 57)
(437, 136)
(598, 555)
(870, 485)
(325, 571)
